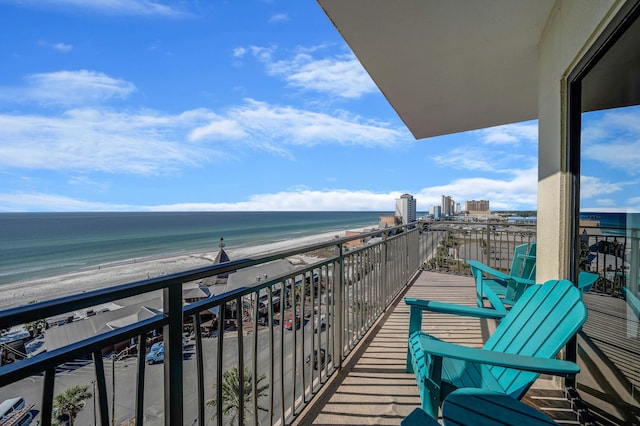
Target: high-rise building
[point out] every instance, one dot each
(435, 211)
(406, 208)
(477, 207)
(447, 205)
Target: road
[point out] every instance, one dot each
(125, 380)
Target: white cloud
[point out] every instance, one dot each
(68, 88)
(100, 140)
(152, 142)
(510, 134)
(37, 201)
(218, 129)
(267, 126)
(465, 159)
(239, 52)
(517, 193)
(279, 17)
(606, 202)
(613, 139)
(339, 75)
(300, 200)
(592, 187)
(114, 7)
(61, 47)
(477, 158)
(621, 156)
(292, 200)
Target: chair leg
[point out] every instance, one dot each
(479, 289)
(432, 388)
(430, 403)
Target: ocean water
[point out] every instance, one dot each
(45, 244)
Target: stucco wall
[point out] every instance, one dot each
(571, 29)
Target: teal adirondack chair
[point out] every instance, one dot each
(586, 281)
(501, 288)
(523, 346)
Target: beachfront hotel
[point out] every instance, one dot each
(406, 208)
(448, 206)
(445, 67)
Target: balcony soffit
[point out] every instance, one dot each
(448, 66)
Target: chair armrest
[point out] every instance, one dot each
(527, 256)
(487, 270)
(556, 367)
(451, 308)
(519, 280)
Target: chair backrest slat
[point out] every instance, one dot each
(539, 324)
(528, 270)
(517, 261)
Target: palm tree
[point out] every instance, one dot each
(71, 402)
(231, 394)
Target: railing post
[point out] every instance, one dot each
(488, 246)
(406, 253)
(102, 388)
(384, 270)
(339, 306)
(142, 349)
(197, 325)
(172, 337)
(47, 395)
(635, 260)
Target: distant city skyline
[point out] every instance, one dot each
(161, 106)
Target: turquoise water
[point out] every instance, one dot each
(45, 244)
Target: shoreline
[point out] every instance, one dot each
(136, 269)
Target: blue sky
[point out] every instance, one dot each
(142, 105)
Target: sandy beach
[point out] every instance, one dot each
(102, 276)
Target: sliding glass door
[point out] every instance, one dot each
(604, 155)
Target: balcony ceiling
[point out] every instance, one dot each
(448, 66)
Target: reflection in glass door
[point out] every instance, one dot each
(608, 347)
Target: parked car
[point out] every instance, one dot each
(288, 324)
(155, 356)
(319, 363)
(10, 406)
(156, 346)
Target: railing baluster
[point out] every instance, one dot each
(197, 324)
(255, 298)
(294, 330)
(240, 354)
(142, 349)
(271, 351)
(220, 362)
(173, 370)
(280, 351)
(101, 381)
(340, 318)
(47, 395)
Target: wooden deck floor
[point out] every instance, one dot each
(373, 388)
